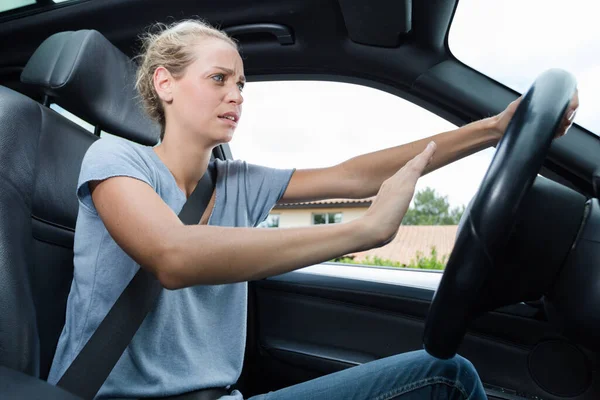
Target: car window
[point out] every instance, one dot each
(514, 41)
(308, 124)
(84, 124)
(9, 5)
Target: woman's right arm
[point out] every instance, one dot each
(185, 255)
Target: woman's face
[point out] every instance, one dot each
(207, 99)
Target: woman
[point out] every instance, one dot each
(191, 79)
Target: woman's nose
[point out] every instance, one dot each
(235, 95)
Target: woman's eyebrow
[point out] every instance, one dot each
(230, 72)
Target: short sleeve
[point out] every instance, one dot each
(107, 158)
(264, 187)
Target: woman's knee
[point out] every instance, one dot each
(463, 364)
(424, 375)
(456, 371)
(463, 372)
(451, 367)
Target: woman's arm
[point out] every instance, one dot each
(185, 255)
(361, 176)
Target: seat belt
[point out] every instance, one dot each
(98, 357)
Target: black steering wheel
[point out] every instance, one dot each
(489, 220)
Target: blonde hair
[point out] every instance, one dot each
(169, 46)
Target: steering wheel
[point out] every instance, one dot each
(488, 222)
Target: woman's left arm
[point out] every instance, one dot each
(360, 177)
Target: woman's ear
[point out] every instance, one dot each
(163, 81)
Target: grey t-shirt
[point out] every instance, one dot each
(195, 337)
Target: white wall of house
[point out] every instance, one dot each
(408, 242)
(289, 218)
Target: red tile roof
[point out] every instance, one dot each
(411, 239)
(329, 203)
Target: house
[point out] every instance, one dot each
(408, 242)
(317, 212)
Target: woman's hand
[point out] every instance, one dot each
(384, 216)
(502, 119)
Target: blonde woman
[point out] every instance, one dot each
(191, 80)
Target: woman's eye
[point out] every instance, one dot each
(218, 78)
(241, 86)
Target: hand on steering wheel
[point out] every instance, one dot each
(505, 116)
(546, 110)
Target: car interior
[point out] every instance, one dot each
(519, 297)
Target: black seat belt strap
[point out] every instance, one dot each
(97, 358)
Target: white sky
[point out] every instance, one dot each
(313, 124)
(514, 41)
(316, 124)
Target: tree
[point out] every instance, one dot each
(429, 208)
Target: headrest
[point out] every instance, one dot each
(85, 74)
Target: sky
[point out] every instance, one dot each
(305, 124)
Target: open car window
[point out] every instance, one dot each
(514, 41)
(312, 124)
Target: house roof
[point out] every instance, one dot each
(329, 203)
(413, 238)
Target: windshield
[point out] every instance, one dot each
(514, 41)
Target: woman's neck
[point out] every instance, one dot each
(187, 161)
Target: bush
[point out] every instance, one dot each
(419, 262)
(430, 262)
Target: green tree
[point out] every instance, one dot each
(430, 208)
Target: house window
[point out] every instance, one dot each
(326, 218)
(272, 221)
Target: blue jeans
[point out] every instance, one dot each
(407, 376)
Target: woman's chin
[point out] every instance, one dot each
(226, 137)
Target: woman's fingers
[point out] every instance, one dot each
(569, 116)
(417, 165)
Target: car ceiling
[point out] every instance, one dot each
(320, 29)
(415, 64)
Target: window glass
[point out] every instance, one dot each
(85, 125)
(514, 41)
(272, 221)
(327, 218)
(319, 219)
(335, 218)
(310, 124)
(7, 5)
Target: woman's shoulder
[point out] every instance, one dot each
(116, 146)
(108, 157)
(111, 151)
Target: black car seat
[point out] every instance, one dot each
(40, 157)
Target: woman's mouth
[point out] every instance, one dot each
(229, 121)
(230, 118)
